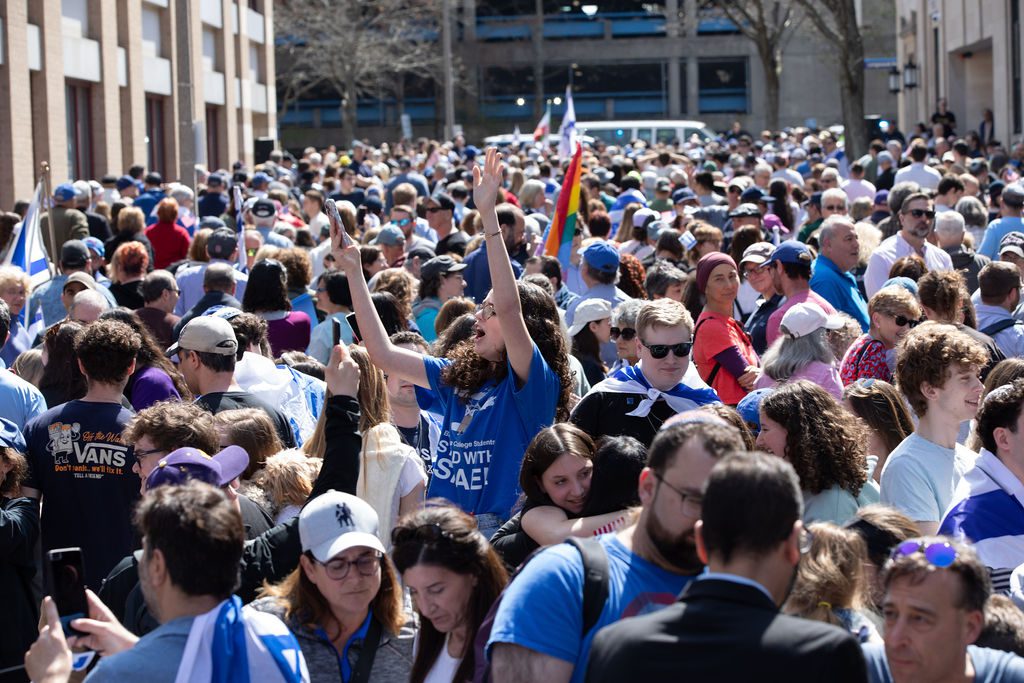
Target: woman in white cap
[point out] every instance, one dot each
(344, 602)
(802, 351)
(591, 327)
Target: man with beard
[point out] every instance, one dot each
(727, 626)
(916, 216)
(537, 633)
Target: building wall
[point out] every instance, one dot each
(108, 62)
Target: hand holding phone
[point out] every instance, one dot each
(336, 332)
(354, 324)
(67, 586)
(337, 227)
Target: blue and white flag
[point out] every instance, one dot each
(240, 226)
(567, 131)
(631, 380)
(232, 644)
(27, 248)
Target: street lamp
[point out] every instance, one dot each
(589, 10)
(910, 75)
(556, 101)
(894, 80)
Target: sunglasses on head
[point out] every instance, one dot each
(627, 333)
(918, 213)
(427, 533)
(940, 554)
(659, 351)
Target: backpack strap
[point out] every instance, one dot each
(998, 326)
(718, 366)
(595, 579)
(367, 653)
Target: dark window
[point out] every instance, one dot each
(212, 138)
(155, 135)
(722, 85)
(79, 124)
(1015, 64)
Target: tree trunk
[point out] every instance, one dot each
(851, 83)
(770, 61)
(349, 111)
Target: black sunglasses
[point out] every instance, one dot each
(659, 351)
(902, 320)
(918, 213)
(627, 333)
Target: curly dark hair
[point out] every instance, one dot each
(825, 444)
(298, 266)
(150, 353)
(457, 332)
(267, 289)
(632, 276)
(469, 371)
(106, 350)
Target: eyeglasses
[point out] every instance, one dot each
(627, 333)
(659, 351)
(434, 209)
(338, 568)
(835, 207)
(486, 311)
(152, 451)
(903, 321)
(692, 503)
(919, 213)
(251, 252)
(428, 533)
(940, 554)
(321, 289)
(806, 539)
(865, 382)
(402, 222)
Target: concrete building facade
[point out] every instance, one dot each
(95, 86)
(968, 53)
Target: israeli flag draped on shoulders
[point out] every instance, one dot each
(630, 380)
(28, 251)
(988, 510)
(232, 644)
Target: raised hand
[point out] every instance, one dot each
(487, 181)
(342, 373)
(343, 248)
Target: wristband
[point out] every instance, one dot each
(492, 234)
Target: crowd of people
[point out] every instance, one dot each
(766, 420)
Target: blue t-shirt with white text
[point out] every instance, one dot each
(483, 439)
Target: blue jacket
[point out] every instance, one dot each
(478, 276)
(840, 289)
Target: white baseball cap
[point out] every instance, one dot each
(804, 318)
(335, 522)
(589, 311)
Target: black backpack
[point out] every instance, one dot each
(595, 594)
(998, 326)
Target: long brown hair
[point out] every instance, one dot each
(461, 549)
(251, 429)
(830, 576)
(469, 371)
(881, 407)
(374, 408)
(549, 445)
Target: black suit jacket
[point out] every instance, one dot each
(724, 631)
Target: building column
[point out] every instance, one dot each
(133, 94)
(270, 74)
(243, 108)
(106, 105)
(17, 166)
(229, 143)
(675, 95)
(692, 88)
(49, 108)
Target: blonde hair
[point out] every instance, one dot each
(131, 219)
(29, 366)
(374, 408)
(10, 275)
(287, 477)
(251, 429)
(663, 313)
(197, 250)
(830, 576)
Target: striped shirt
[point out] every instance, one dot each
(988, 510)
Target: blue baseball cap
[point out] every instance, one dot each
(260, 178)
(602, 256)
(95, 244)
(11, 436)
(683, 194)
(124, 182)
(65, 192)
(755, 194)
(390, 235)
(901, 281)
(749, 408)
(790, 251)
(185, 464)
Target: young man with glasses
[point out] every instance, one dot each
(934, 609)
(726, 625)
(635, 401)
(916, 217)
(160, 295)
(999, 288)
(538, 628)
(937, 369)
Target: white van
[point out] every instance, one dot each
(650, 131)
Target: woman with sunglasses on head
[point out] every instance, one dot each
(454, 577)
(343, 602)
(497, 390)
(884, 410)
(893, 312)
(722, 350)
(266, 295)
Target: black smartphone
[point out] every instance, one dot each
(67, 586)
(336, 325)
(354, 324)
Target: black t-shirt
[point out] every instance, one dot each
(418, 438)
(600, 413)
(128, 295)
(218, 402)
(83, 470)
(453, 243)
(357, 196)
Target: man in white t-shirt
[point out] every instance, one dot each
(938, 371)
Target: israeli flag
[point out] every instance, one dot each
(567, 131)
(27, 250)
(243, 263)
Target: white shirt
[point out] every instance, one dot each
(855, 189)
(925, 176)
(891, 250)
(790, 176)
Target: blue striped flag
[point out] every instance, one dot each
(28, 251)
(240, 226)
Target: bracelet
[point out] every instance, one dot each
(492, 234)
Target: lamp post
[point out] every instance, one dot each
(910, 74)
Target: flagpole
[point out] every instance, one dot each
(45, 172)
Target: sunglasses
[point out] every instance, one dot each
(903, 321)
(434, 209)
(919, 213)
(402, 222)
(428, 533)
(836, 207)
(627, 333)
(659, 351)
(940, 554)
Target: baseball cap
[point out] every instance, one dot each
(185, 464)
(683, 194)
(390, 235)
(422, 251)
(440, 265)
(745, 209)
(790, 251)
(444, 201)
(881, 197)
(64, 192)
(885, 157)
(206, 334)
(588, 311)
(124, 182)
(602, 256)
(96, 244)
(804, 318)
(373, 204)
(81, 279)
(644, 216)
(1012, 242)
(757, 253)
(663, 185)
(263, 208)
(996, 188)
(749, 408)
(214, 180)
(74, 254)
(1013, 194)
(221, 243)
(260, 178)
(948, 156)
(211, 222)
(755, 194)
(10, 436)
(655, 228)
(815, 199)
(154, 179)
(334, 522)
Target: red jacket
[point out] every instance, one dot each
(170, 243)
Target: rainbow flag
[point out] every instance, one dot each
(563, 225)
